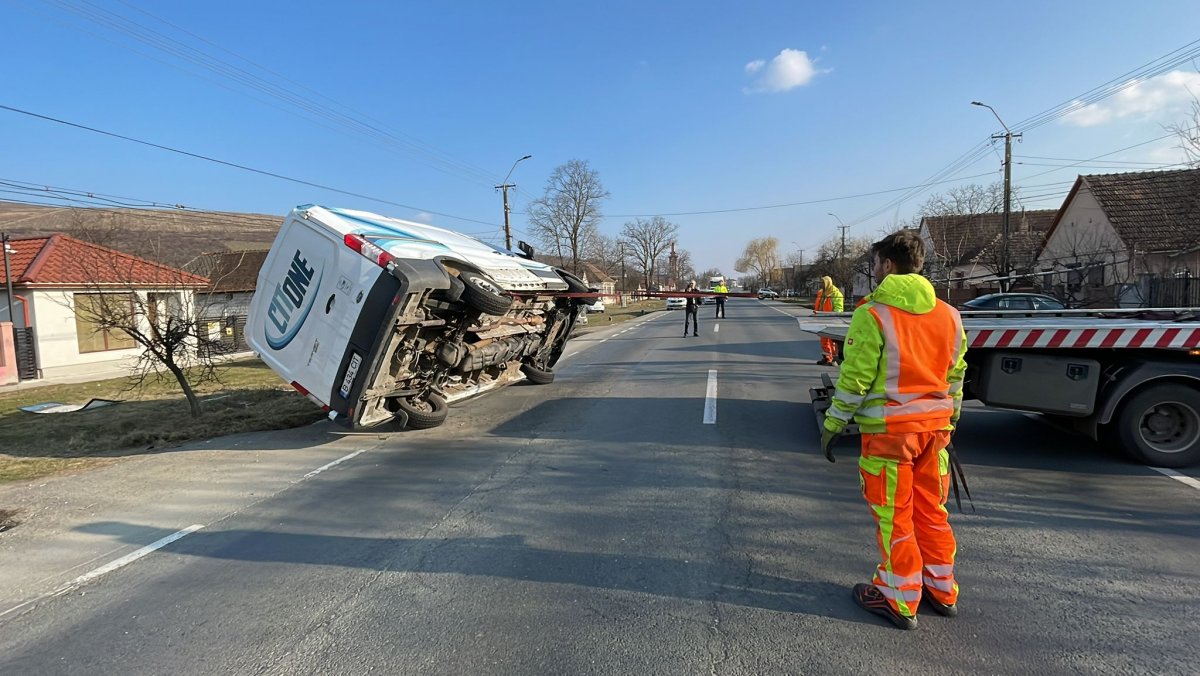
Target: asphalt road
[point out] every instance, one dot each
(600, 525)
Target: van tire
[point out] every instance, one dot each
(536, 375)
(1160, 425)
(484, 295)
(425, 413)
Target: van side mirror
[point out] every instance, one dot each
(526, 250)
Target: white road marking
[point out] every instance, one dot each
(710, 399)
(1181, 478)
(716, 328)
(332, 464)
(108, 567)
(571, 355)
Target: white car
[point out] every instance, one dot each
(377, 319)
(676, 303)
(598, 306)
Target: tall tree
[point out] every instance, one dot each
(646, 241)
(846, 267)
(605, 252)
(1187, 132)
(564, 219)
(966, 199)
(761, 259)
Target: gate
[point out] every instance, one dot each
(26, 353)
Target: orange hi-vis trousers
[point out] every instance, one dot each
(905, 479)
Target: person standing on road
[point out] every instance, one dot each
(722, 290)
(829, 299)
(691, 311)
(901, 381)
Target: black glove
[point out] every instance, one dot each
(827, 439)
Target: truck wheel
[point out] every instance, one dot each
(484, 295)
(536, 375)
(1160, 425)
(424, 413)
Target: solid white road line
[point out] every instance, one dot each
(1181, 478)
(716, 328)
(710, 399)
(332, 464)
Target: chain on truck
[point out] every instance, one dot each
(1130, 378)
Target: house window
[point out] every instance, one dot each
(1095, 275)
(90, 309)
(1047, 278)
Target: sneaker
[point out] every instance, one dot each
(695, 335)
(870, 599)
(938, 607)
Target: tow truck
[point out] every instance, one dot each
(1129, 378)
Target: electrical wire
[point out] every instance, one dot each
(241, 166)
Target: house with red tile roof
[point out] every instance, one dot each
(225, 303)
(57, 279)
(1123, 238)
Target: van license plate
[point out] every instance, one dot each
(351, 371)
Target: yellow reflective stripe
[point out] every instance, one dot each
(940, 569)
(910, 596)
(847, 397)
(940, 585)
(891, 341)
(897, 581)
(956, 388)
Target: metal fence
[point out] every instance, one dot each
(26, 353)
(1173, 292)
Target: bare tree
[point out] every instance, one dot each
(606, 253)
(1083, 261)
(965, 199)
(1187, 132)
(646, 241)
(564, 219)
(761, 259)
(844, 266)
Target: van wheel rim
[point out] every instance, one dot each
(1170, 427)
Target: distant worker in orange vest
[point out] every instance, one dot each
(829, 299)
(902, 383)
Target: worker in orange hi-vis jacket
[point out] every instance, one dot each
(902, 383)
(829, 299)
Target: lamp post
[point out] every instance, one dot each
(1008, 137)
(843, 227)
(504, 186)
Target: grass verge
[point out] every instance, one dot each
(249, 398)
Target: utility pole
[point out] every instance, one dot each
(504, 186)
(621, 248)
(8, 278)
(1008, 136)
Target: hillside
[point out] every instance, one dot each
(168, 236)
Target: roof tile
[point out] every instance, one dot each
(60, 260)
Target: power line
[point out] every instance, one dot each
(240, 166)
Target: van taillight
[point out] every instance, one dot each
(368, 250)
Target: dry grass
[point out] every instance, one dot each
(249, 398)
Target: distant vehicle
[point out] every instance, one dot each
(598, 306)
(1014, 301)
(676, 303)
(377, 319)
(766, 293)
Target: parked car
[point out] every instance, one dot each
(1014, 301)
(676, 303)
(767, 293)
(377, 319)
(598, 306)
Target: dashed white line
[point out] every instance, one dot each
(1181, 478)
(710, 399)
(332, 464)
(716, 328)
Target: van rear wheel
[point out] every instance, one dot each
(424, 412)
(1161, 425)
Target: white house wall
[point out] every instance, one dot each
(1084, 235)
(52, 314)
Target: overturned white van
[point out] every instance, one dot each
(378, 319)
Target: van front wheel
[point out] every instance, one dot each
(424, 412)
(484, 295)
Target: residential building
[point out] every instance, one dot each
(224, 304)
(964, 251)
(60, 284)
(1127, 239)
(596, 278)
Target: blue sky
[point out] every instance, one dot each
(680, 107)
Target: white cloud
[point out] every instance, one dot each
(1156, 98)
(423, 217)
(789, 69)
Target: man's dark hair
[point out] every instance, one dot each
(903, 248)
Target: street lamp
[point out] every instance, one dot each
(1008, 137)
(504, 186)
(843, 226)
